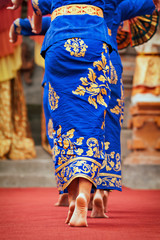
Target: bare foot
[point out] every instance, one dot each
(105, 200)
(79, 217)
(98, 207)
(70, 212)
(90, 205)
(63, 200)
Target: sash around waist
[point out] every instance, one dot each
(77, 9)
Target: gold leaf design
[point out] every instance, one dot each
(59, 131)
(103, 91)
(84, 81)
(93, 87)
(79, 91)
(112, 164)
(65, 143)
(70, 152)
(107, 145)
(92, 76)
(108, 168)
(79, 151)
(89, 152)
(92, 101)
(79, 141)
(70, 133)
(53, 98)
(100, 100)
(102, 78)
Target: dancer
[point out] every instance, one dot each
(110, 173)
(77, 90)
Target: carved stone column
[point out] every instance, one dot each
(145, 142)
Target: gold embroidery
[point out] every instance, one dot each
(112, 161)
(119, 109)
(36, 7)
(51, 131)
(110, 180)
(105, 47)
(92, 87)
(77, 9)
(93, 148)
(70, 149)
(114, 77)
(103, 123)
(107, 145)
(53, 98)
(76, 47)
(78, 167)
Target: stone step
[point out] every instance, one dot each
(39, 172)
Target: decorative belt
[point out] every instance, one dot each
(77, 9)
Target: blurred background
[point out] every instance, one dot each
(25, 159)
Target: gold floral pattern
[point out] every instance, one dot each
(95, 86)
(51, 131)
(93, 148)
(119, 108)
(72, 148)
(77, 167)
(76, 47)
(112, 162)
(110, 181)
(53, 98)
(114, 77)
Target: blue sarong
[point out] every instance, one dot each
(110, 173)
(77, 74)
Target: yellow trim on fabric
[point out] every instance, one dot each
(77, 9)
(77, 176)
(77, 158)
(108, 174)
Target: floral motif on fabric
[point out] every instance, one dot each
(110, 181)
(65, 148)
(93, 148)
(51, 131)
(96, 87)
(53, 98)
(36, 8)
(119, 108)
(76, 47)
(112, 162)
(77, 167)
(114, 77)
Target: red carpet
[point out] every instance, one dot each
(29, 214)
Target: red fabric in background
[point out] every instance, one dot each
(27, 214)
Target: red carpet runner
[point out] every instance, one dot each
(30, 214)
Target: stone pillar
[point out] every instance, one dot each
(145, 142)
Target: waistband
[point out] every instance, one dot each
(77, 9)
